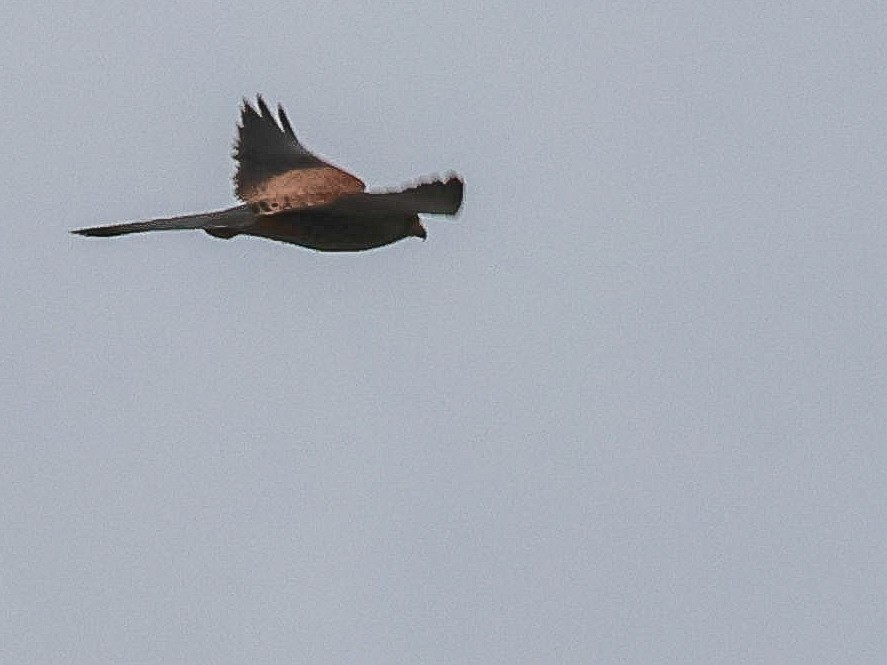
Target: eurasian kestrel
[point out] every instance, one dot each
(292, 195)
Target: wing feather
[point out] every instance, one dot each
(276, 172)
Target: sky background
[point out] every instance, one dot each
(628, 407)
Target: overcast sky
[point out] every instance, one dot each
(628, 407)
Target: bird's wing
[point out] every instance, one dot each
(275, 172)
(235, 218)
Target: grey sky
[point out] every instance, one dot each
(629, 407)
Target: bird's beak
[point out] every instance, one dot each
(418, 230)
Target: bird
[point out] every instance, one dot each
(291, 195)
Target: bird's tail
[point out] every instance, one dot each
(437, 197)
(224, 221)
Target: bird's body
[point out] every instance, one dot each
(293, 196)
(330, 232)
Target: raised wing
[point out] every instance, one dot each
(275, 172)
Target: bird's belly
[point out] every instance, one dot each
(324, 234)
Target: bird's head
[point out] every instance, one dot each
(416, 228)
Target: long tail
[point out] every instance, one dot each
(230, 219)
(438, 197)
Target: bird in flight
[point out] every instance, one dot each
(291, 195)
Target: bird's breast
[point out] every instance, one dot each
(329, 233)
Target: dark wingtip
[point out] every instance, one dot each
(247, 108)
(104, 231)
(263, 109)
(95, 233)
(285, 121)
